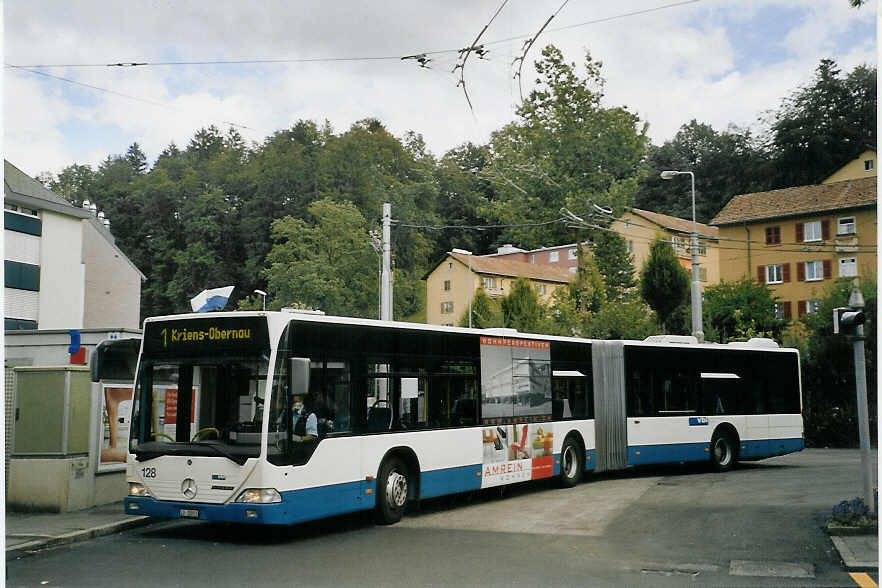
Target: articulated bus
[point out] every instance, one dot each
(404, 412)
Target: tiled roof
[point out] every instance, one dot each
(798, 201)
(506, 267)
(677, 224)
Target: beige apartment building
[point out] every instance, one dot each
(800, 240)
(640, 228)
(451, 284)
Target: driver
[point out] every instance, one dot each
(304, 423)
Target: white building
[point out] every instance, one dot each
(63, 269)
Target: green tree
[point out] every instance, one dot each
(521, 309)
(326, 264)
(739, 310)
(828, 369)
(136, 159)
(821, 126)
(627, 317)
(664, 284)
(614, 262)
(725, 163)
(486, 312)
(565, 150)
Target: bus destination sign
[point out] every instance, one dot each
(206, 336)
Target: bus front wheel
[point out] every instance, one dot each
(571, 460)
(723, 451)
(392, 489)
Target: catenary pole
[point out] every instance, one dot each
(856, 301)
(386, 291)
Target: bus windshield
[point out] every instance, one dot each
(220, 413)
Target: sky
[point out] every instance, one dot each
(721, 62)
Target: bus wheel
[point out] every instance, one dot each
(571, 458)
(723, 456)
(391, 491)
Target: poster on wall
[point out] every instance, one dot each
(116, 413)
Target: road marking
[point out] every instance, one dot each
(863, 580)
(773, 569)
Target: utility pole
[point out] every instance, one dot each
(850, 321)
(386, 286)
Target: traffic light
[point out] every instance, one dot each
(846, 320)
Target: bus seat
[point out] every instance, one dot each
(560, 409)
(379, 418)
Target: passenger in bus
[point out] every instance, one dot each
(304, 422)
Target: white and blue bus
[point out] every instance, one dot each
(399, 412)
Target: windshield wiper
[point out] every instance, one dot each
(229, 456)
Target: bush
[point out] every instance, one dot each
(852, 513)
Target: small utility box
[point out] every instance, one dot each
(50, 454)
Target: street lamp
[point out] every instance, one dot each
(697, 330)
(262, 293)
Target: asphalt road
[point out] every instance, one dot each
(759, 525)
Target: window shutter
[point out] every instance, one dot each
(761, 274)
(800, 271)
(787, 314)
(828, 269)
(800, 308)
(800, 232)
(825, 230)
(785, 272)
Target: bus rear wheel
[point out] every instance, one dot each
(392, 489)
(723, 451)
(571, 460)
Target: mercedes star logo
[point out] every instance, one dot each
(188, 488)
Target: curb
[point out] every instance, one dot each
(850, 560)
(77, 536)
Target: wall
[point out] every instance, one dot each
(854, 169)
(61, 272)
(112, 284)
(737, 263)
(460, 280)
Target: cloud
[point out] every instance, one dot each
(669, 66)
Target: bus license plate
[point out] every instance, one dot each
(189, 513)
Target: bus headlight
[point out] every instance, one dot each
(259, 496)
(138, 489)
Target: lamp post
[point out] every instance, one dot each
(697, 329)
(262, 293)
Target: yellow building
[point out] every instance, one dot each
(800, 240)
(862, 166)
(640, 228)
(452, 283)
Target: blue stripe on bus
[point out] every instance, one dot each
(682, 452)
(450, 481)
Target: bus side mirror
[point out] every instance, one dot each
(299, 376)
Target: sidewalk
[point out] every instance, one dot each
(859, 553)
(32, 531)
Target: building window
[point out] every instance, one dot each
(702, 249)
(572, 269)
(630, 247)
(532, 258)
(773, 235)
(627, 223)
(813, 305)
(20, 209)
(488, 283)
(812, 231)
(702, 274)
(846, 226)
(571, 254)
(553, 256)
(447, 308)
(23, 276)
(848, 267)
(676, 243)
(540, 289)
(774, 274)
(782, 311)
(450, 265)
(868, 165)
(447, 285)
(14, 324)
(814, 270)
